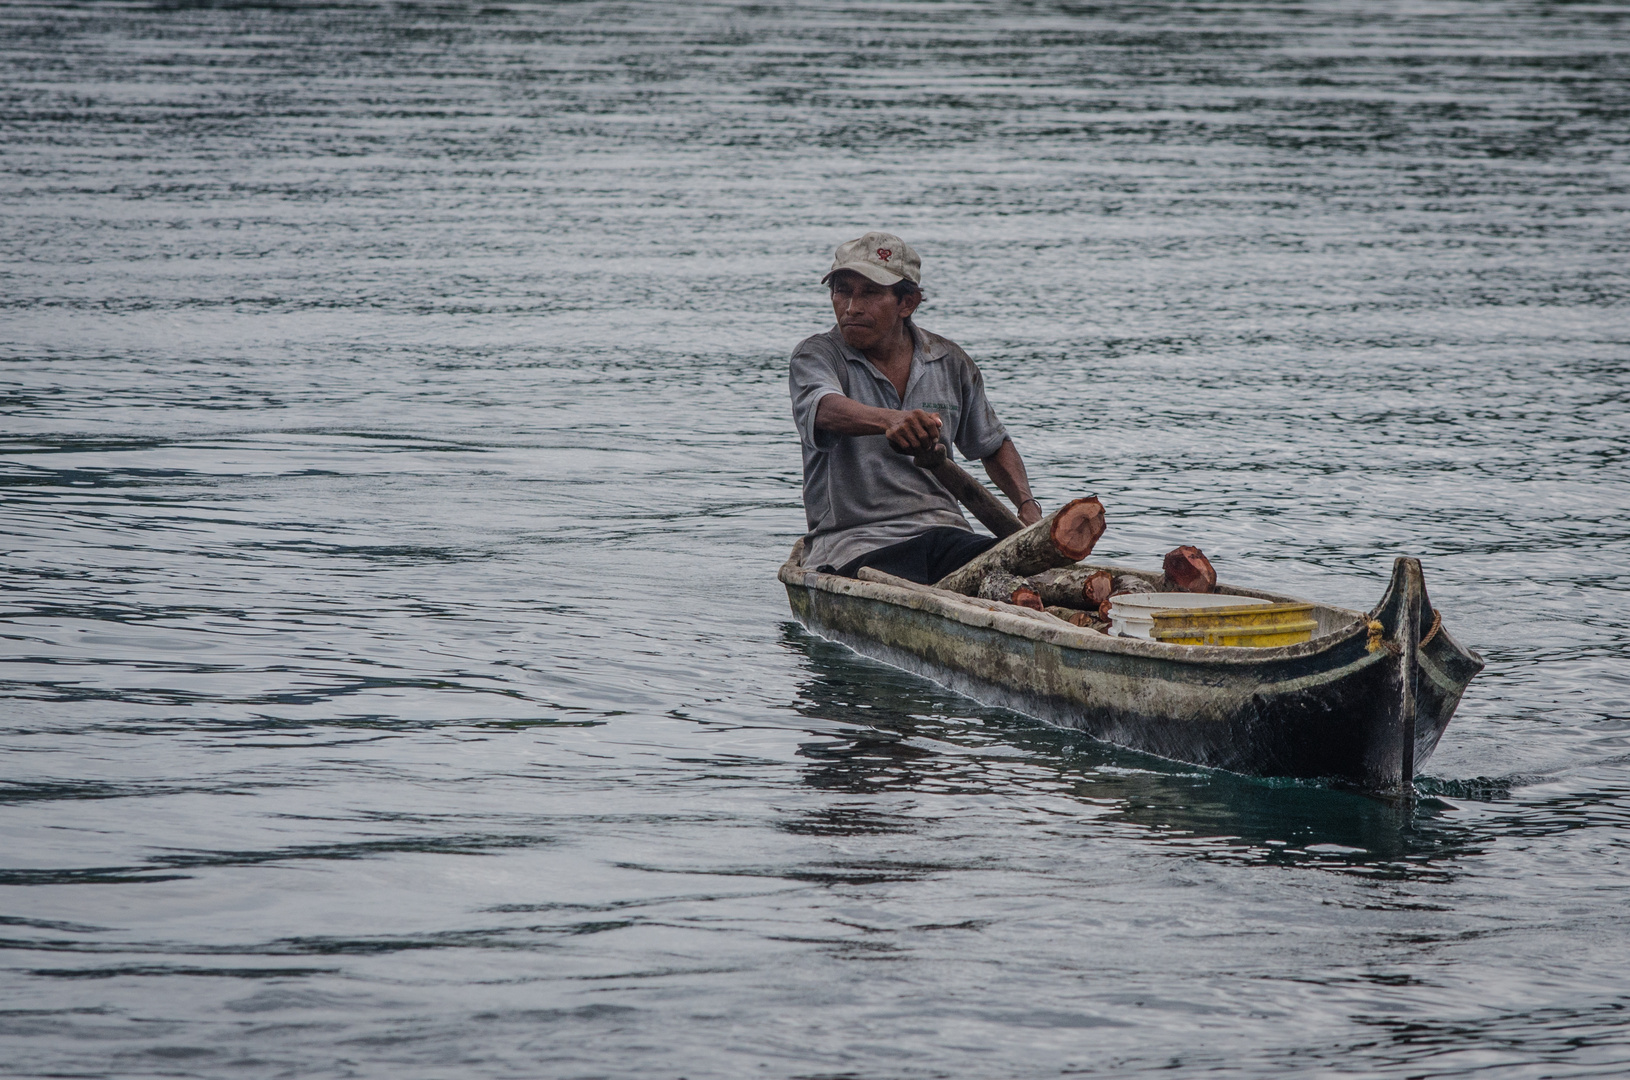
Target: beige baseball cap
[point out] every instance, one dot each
(881, 256)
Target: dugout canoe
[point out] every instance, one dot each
(1362, 704)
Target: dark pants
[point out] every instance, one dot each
(923, 559)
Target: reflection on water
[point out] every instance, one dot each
(905, 733)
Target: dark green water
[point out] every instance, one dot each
(395, 461)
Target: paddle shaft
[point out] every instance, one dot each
(968, 491)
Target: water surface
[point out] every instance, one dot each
(397, 460)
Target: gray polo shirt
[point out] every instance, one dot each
(859, 494)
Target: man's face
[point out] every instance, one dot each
(868, 314)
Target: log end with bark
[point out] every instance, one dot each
(1188, 570)
(1065, 536)
(1076, 527)
(1099, 586)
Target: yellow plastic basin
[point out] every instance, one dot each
(1263, 626)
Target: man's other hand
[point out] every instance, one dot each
(912, 431)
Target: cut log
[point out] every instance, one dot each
(868, 574)
(1060, 587)
(1073, 587)
(1065, 536)
(1188, 570)
(1009, 589)
(1073, 616)
(1099, 586)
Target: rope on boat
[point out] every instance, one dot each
(1376, 630)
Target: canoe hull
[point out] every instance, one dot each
(1332, 709)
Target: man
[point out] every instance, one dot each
(867, 395)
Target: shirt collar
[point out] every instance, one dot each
(929, 346)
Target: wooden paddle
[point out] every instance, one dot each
(968, 491)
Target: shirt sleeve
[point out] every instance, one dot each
(815, 372)
(980, 434)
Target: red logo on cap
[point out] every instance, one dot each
(884, 253)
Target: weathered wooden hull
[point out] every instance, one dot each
(1363, 703)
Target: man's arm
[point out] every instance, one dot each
(906, 431)
(1006, 468)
